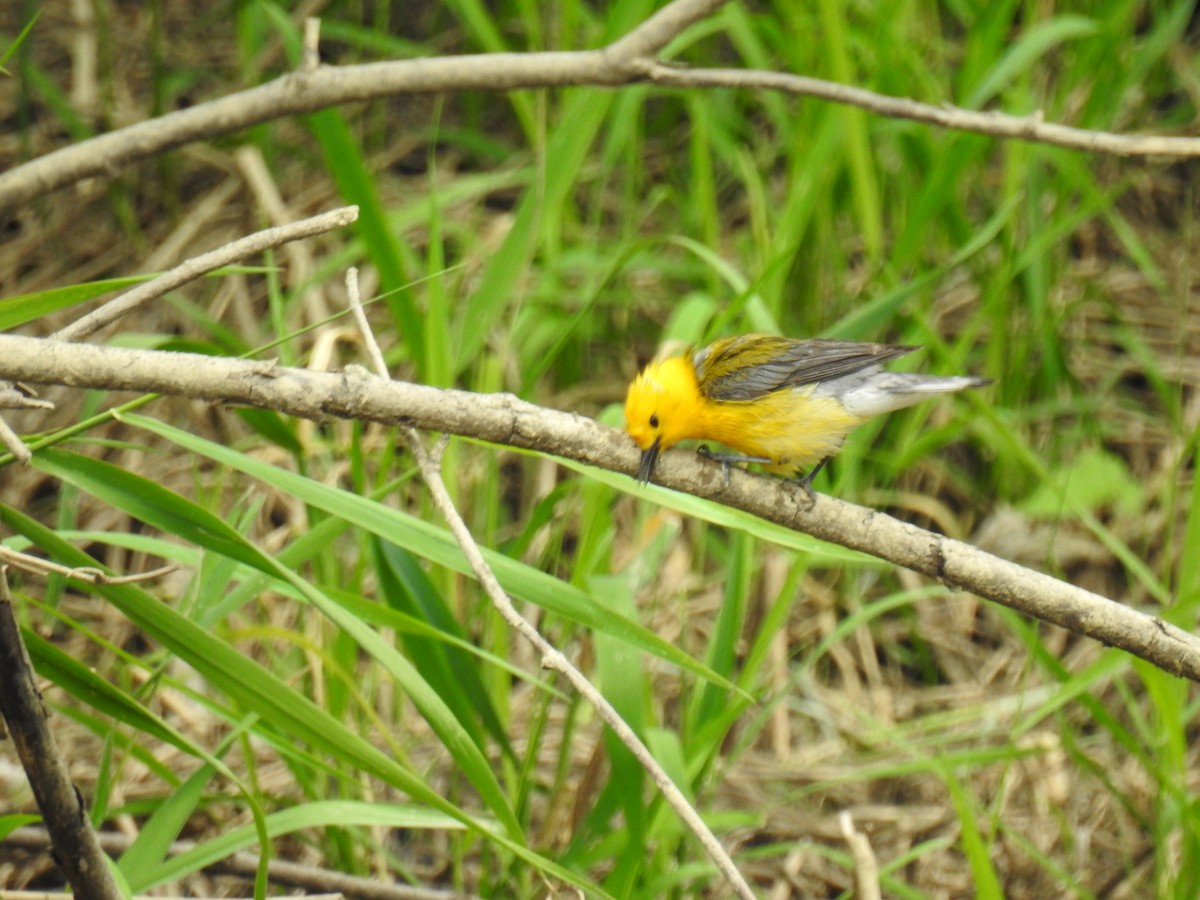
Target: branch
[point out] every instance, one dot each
(189, 270)
(866, 866)
(1032, 128)
(76, 847)
(628, 60)
(555, 660)
(504, 419)
(35, 565)
(197, 266)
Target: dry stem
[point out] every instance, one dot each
(281, 872)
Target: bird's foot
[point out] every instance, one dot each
(805, 481)
(728, 459)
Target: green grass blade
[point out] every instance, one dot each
(257, 689)
(18, 310)
(1028, 50)
(169, 512)
(437, 545)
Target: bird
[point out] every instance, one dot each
(784, 403)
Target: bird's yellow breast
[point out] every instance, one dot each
(790, 427)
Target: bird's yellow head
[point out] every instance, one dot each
(662, 408)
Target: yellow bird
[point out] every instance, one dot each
(785, 403)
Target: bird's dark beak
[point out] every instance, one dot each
(649, 458)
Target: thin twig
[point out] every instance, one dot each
(37, 566)
(649, 38)
(552, 658)
(312, 45)
(297, 254)
(189, 270)
(556, 661)
(11, 398)
(374, 353)
(1031, 128)
(13, 442)
(180, 275)
(504, 419)
(628, 60)
(198, 266)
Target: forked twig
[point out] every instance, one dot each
(188, 270)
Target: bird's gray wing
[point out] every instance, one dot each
(752, 366)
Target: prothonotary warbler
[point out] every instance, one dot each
(784, 403)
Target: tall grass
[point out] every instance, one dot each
(346, 683)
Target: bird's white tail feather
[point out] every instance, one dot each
(883, 392)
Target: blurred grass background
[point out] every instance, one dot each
(321, 670)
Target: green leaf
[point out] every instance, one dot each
(24, 308)
(407, 588)
(321, 814)
(19, 40)
(1029, 49)
(725, 516)
(83, 684)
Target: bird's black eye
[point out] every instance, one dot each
(654, 421)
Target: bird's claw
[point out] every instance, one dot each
(721, 458)
(806, 481)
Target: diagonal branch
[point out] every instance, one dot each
(504, 419)
(628, 60)
(557, 661)
(189, 270)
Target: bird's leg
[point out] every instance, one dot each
(807, 480)
(728, 459)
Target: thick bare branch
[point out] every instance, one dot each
(294, 94)
(504, 419)
(627, 60)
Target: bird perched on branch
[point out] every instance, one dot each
(784, 403)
